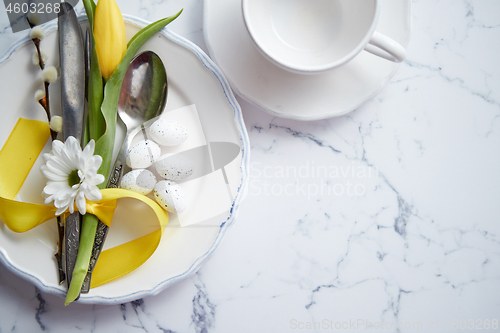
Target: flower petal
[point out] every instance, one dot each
(54, 177)
(54, 187)
(57, 147)
(109, 35)
(92, 193)
(61, 210)
(81, 203)
(88, 151)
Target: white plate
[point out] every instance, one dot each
(193, 79)
(288, 95)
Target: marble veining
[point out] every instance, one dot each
(203, 316)
(40, 310)
(384, 219)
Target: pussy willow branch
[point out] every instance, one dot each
(44, 102)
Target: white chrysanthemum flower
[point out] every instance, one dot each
(49, 74)
(36, 60)
(56, 124)
(39, 94)
(72, 175)
(37, 32)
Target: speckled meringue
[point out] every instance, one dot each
(143, 154)
(167, 132)
(176, 167)
(139, 180)
(170, 196)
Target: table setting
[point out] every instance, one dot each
(264, 165)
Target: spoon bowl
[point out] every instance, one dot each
(142, 97)
(144, 90)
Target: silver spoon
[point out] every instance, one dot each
(143, 95)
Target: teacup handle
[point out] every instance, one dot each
(385, 47)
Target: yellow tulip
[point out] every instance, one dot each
(109, 34)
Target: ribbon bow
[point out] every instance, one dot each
(19, 153)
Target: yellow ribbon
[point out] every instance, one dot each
(19, 153)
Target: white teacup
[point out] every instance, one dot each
(313, 36)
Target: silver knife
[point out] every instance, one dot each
(71, 61)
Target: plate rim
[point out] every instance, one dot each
(244, 167)
(322, 116)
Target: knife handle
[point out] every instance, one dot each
(114, 179)
(100, 237)
(116, 175)
(72, 242)
(102, 230)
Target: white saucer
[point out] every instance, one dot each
(288, 95)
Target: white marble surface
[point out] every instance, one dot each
(402, 230)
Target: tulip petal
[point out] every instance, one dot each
(110, 37)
